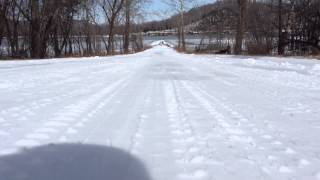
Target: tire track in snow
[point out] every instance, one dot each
(263, 136)
(62, 120)
(269, 164)
(20, 116)
(188, 146)
(111, 141)
(152, 138)
(229, 134)
(71, 134)
(137, 136)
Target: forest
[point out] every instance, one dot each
(63, 28)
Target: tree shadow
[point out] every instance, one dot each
(72, 162)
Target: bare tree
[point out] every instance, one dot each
(46, 28)
(111, 9)
(182, 32)
(87, 28)
(13, 20)
(40, 15)
(133, 12)
(62, 25)
(3, 13)
(180, 7)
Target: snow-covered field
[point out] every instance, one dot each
(167, 116)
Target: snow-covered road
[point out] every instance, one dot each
(183, 116)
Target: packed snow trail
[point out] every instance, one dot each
(184, 116)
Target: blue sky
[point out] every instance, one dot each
(158, 9)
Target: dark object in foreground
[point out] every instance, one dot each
(72, 162)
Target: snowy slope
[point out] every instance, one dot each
(168, 116)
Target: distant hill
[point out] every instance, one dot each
(192, 16)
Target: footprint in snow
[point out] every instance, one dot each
(64, 119)
(197, 160)
(63, 139)
(193, 150)
(85, 120)
(23, 118)
(278, 143)
(178, 151)
(285, 169)
(234, 113)
(47, 130)
(244, 120)
(174, 126)
(289, 151)
(143, 116)
(4, 133)
(8, 151)
(138, 136)
(2, 120)
(6, 124)
(27, 143)
(303, 163)
(270, 157)
(197, 174)
(268, 137)
(38, 136)
(181, 161)
(71, 131)
(79, 124)
(56, 124)
(177, 132)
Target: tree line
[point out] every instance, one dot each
(257, 27)
(55, 28)
(283, 27)
(58, 28)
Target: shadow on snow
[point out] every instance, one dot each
(72, 162)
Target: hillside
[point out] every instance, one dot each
(192, 16)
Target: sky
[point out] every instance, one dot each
(158, 9)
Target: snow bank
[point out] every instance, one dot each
(316, 69)
(161, 43)
(298, 65)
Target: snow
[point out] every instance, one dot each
(161, 43)
(160, 115)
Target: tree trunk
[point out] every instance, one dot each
(110, 50)
(2, 25)
(241, 26)
(280, 40)
(56, 45)
(111, 10)
(3, 13)
(183, 42)
(35, 29)
(179, 35)
(126, 42)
